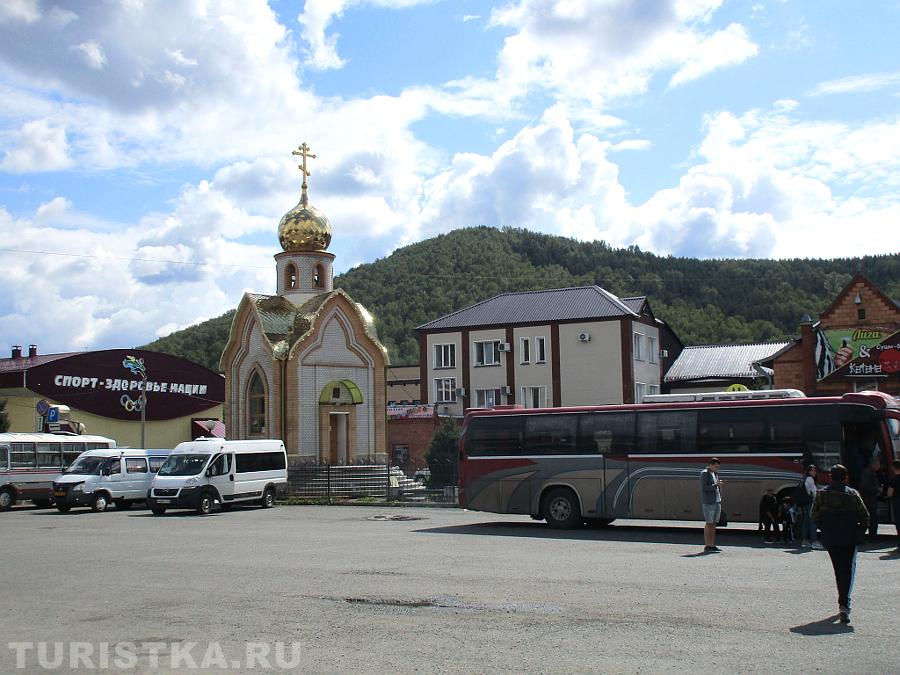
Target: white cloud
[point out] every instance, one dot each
(856, 83)
(14, 11)
(92, 53)
(38, 146)
(723, 48)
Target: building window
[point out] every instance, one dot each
(540, 349)
(290, 277)
(525, 350)
(534, 397)
(319, 277)
(256, 405)
(445, 356)
(861, 314)
(640, 390)
(652, 353)
(487, 398)
(400, 455)
(639, 347)
(487, 353)
(652, 389)
(445, 390)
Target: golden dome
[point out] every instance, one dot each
(304, 228)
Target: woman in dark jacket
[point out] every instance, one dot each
(842, 516)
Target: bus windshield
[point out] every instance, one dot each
(87, 466)
(183, 465)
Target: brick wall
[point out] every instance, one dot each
(417, 434)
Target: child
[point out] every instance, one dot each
(768, 515)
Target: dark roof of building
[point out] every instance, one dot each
(23, 363)
(559, 304)
(722, 361)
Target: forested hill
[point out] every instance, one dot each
(705, 301)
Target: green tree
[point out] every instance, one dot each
(4, 417)
(443, 454)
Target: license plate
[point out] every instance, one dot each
(59, 493)
(163, 501)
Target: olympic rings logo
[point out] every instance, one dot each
(133, 405)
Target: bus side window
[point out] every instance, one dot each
(4, 458)
(605, 433)
(550, 434)
(135, 465)
(70, 452)
(21, 456)
(493, 436)
(667, 432)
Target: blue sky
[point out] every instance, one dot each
(145, 146)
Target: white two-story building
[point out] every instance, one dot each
(559, 347)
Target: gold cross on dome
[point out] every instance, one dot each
(303, 151)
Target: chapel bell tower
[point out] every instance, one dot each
(304, 267)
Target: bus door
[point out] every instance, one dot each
(606, 439)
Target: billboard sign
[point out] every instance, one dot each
(102, 384)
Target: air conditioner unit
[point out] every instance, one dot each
(507, 390)
(504, 347)
(460, 391)
(584, 337)
(663, 353)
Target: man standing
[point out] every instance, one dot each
(842, 517)
(711, 500)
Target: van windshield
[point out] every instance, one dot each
(183, 465)
(87, 466)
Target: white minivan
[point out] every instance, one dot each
(207, 472)
(100, 477)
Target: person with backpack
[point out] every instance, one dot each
(769, 516)
(804, 495)
(843, 517)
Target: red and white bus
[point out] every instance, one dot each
(569, 465)
(30, 462)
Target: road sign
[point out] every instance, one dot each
(42, 407)
(53, 414)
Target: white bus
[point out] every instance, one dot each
(207, 472)
(29, 463)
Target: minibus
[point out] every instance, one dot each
(98, 478)
(210, 472)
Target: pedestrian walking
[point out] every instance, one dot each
(711, 501)
(808, 530)
(893, 494)
(842, 517)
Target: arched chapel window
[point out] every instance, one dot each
(256, 405)
(319, 277)
(290, 277)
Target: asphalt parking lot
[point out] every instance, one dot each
(339, 589)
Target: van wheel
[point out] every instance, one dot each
(123, 504)
(7, 499)
(63, 508)
(205, 505)
(268, 498)
(561, 510)
(158, 510)
(100, 503)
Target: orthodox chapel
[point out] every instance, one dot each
(305, 365)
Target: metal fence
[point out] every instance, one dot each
(338, 482)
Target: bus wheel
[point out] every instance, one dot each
(63, 508)
(205, 505)
(561, 510)
(7, 499)
(158, 510)
(123, 504)
(268, 499)
(100, 503)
